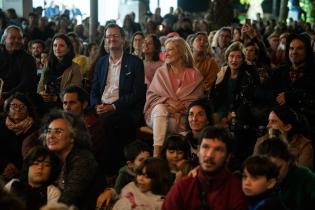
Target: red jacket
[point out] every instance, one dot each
(223, 191)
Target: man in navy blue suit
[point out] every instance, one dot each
(118, 93)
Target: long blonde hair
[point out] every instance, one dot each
(184, 50)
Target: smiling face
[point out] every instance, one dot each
(13, 41)
(60, 48)
(39, 172)
(197, 119)
(212, 154)
(58, 137)
(297, 52)
(172, 55)
(113, 39)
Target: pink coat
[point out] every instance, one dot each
(161, 89)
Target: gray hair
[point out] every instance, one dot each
(77, 127)
(6, 31)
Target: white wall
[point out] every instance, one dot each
(107, 9)
(164, 5)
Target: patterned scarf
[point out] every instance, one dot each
(20, 127)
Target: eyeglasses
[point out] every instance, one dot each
(55, 131)
(114, 36)
(18, 106)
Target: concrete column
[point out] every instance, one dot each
(93, 19)
(27, 7)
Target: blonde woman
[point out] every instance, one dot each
(174, 86)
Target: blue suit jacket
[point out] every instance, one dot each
(131, 84)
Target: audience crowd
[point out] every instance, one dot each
(166, 114)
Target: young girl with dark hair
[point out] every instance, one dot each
(175, 150)
(152, 183)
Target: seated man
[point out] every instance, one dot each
(17, 68)
(213, 187)
(75, 101)
(118, 94)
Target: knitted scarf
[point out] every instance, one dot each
(20, 127)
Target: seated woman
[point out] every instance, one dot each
(17, 124)
(60, 71)
(172, 89)
(234, 96)
(136, 43)
(287, 122)
(235, 87)
(67, 136)
(151, 50)
(199, 116)
(152, 183)
(41, 168)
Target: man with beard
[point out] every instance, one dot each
(75, 101)
(36, 48)
(292, 84)
(213, 187)
(17, 68)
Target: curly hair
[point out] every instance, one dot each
(77, 127)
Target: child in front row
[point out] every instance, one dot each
(177, 153)
(135, 153)
(259, 184)
(148, 190)
(35, 187)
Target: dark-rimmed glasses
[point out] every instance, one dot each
(18, 107)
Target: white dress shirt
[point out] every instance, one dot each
(111, 91)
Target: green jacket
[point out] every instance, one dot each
(298, 189)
